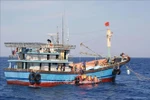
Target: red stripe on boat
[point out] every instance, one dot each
(108, 79)
(51, 84)
(42, 84)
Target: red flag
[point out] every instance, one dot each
(106, 23)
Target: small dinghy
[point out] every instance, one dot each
(86, 80)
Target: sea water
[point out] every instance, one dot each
(126, 87)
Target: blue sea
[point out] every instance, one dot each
(135, 86)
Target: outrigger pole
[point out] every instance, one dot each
(109, 35)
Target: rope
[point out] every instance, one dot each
(139, 76)
(95, 31)
(90, 49)
(86, 53)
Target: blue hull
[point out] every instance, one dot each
(48, 79)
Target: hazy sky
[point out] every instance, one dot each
(30, 21)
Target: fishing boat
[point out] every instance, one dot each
(47, 64)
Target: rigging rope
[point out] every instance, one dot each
(90, 49)
(86, 53)
(139, 76)
(89, 32)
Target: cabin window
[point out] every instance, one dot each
(40, 65)
(19, 65)
(65, 55)
(26, 65)
(57, 56)
(48, 57)
(49, 66)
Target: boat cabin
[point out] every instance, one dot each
(40, 56)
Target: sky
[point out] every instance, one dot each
(31, 21)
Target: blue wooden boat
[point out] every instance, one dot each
(41, 68)
(47, 65)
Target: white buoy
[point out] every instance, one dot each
(128, 71)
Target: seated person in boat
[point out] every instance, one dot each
(89, 78)
(83, 77)
(96, 80)
(77, 79)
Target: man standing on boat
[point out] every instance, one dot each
(84, 65)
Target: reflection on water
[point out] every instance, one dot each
(88, 86)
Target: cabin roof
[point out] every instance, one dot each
(38, 45)
(39, 61)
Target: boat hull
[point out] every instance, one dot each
(49, 78)
(54, 79)
(51, 84)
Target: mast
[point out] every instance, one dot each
(67, 26)
(62, 28)
(57, 38)
(109, 35)
(68, 35)
(67, 32)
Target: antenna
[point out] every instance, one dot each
(67, 35)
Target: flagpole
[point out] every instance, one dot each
(109, 47)
(109, 54)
